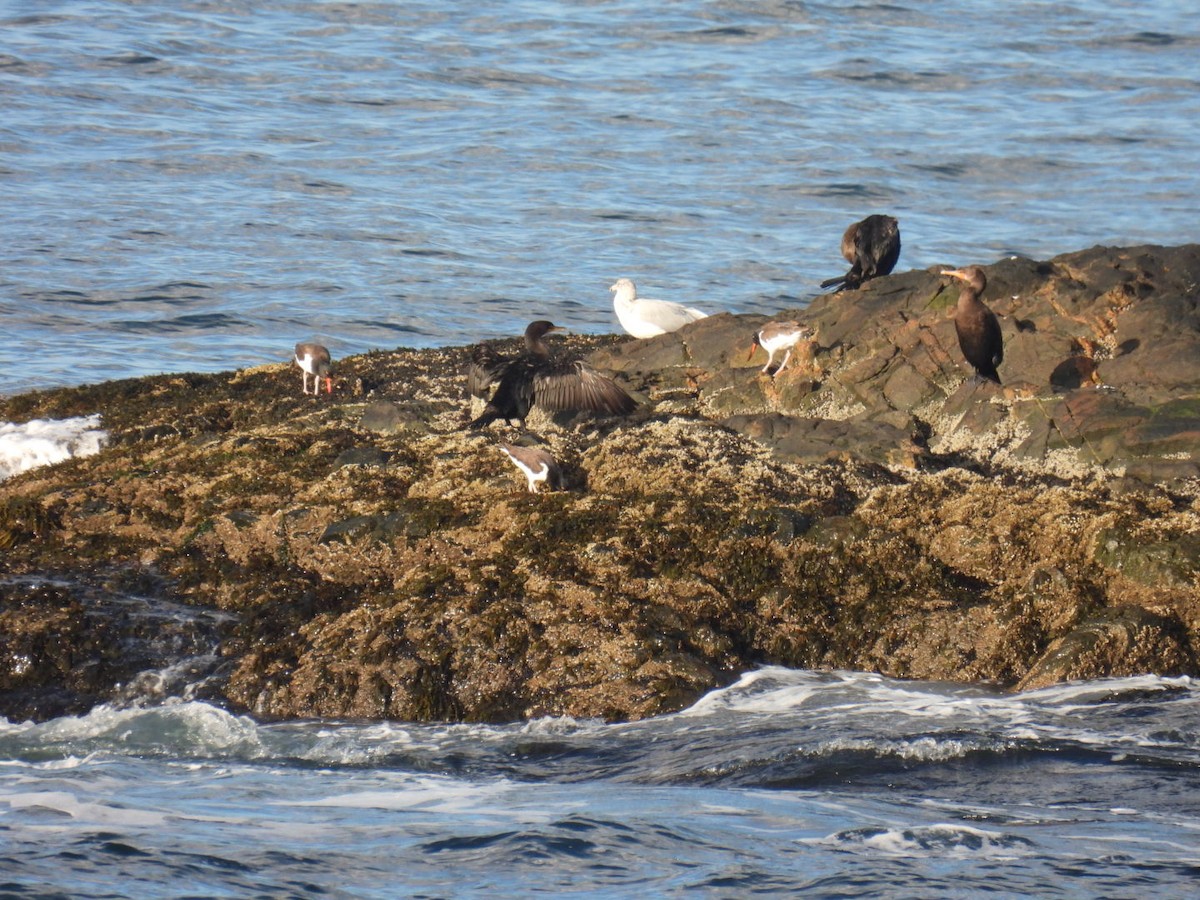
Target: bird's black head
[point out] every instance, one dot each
(534, 337)
(540, 328)
(971, 276)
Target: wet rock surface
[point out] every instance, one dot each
(873, 508)
(1101, 352)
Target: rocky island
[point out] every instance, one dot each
(874, 508)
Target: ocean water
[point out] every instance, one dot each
(196, 185)
(828, 784)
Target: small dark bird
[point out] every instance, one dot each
(536, 464)
(872, 248)
(534, 379)
(977, 326)
(778, 336)
(313, 359)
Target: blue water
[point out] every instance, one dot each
(832, 784)
(198, 185)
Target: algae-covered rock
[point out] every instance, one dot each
(872, 507)
(1169, 561)
(1119, 641)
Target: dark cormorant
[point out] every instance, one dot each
(977, 326)
(532, 378)
(872, 248)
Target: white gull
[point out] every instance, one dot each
(645, 318)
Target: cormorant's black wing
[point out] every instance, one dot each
(514, 393)
(575, 386)
(485, 369)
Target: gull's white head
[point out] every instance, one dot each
(625, 289)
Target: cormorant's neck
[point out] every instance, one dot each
(969, 296)
(535, 346)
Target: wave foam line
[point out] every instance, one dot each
(42, 442)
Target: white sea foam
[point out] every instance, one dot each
(770, 689)
(441, 794)
(774, 689)
(190, 727)
(84, 811)
(838, 712)
(42, 442)
(942, 840)
(925, 749)
(1074, 695)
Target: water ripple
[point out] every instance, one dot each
(276, 155)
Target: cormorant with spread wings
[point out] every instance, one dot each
(534, 379)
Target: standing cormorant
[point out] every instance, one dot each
(533, 378)
(778, 336)
(977, 326)
(644, 318)
(313, 359)
(872, 248)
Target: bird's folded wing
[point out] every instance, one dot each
(666, 314)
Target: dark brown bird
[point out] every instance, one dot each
(977, 326)
(872, 248)
(534, 379)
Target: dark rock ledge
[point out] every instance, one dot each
(870, 509)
